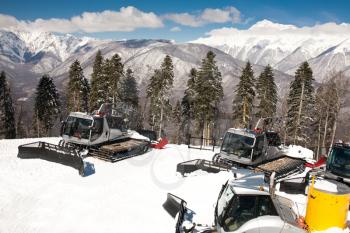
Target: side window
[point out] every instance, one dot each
(259, 146)
(241, 211)
(97, 129)
(265, 206)
(68, 129)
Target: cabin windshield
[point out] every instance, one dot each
(339, 161)
(77, 127)
(239, 145)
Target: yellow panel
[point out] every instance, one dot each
(326, 210)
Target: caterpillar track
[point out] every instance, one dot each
(119, 150)
(282, 166)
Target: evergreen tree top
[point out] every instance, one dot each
(304, 72)
(98, 61)
(3, 74)
(211, 56)
(2, 78)
(129, 72)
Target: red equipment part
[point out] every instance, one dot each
(160, 144)
(319, 163)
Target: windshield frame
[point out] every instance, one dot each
(251, 147)
(219, 218)
(333, 157)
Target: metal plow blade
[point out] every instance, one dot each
(174, 205)
(52, 153)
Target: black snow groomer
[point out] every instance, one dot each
(102, 134)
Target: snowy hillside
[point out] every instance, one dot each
(286, 46)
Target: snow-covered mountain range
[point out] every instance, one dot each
(326, 47)
(26, 56)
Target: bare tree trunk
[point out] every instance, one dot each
(318, 140)
(334, 130)
(244, 113)
(325, 128)
(153, 122)
(37, 124)
(160, 122)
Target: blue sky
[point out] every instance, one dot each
(180, 20)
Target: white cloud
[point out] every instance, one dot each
(126, 19)
(7, 21)
(183, 19)
(175, 29)
(207, 16)
(275, 35)
(268, 28)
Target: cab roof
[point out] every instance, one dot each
(251, 184)
(83, 115)
(245, 132)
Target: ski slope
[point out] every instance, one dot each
(38, 196)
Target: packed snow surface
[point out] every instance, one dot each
(40, 196)
(127, 196)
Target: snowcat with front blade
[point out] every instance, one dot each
(257, 150)
(103, 134)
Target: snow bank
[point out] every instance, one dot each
(299, 152)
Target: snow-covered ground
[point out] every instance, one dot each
(40, 196)
(127, 196)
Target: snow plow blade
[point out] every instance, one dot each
(199, 164)
(174, 205)
(52, 153)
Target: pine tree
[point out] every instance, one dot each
(85, 92)
(243, 101)
(177, 119)
(7, 115)
(300, 106)
(208, 94)
(115, 73)
(158, 91)
(129, 96)
(266, 93)
(129, 93)
(187, 103)
(78, 89)
(96, 97)
(47, 106)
